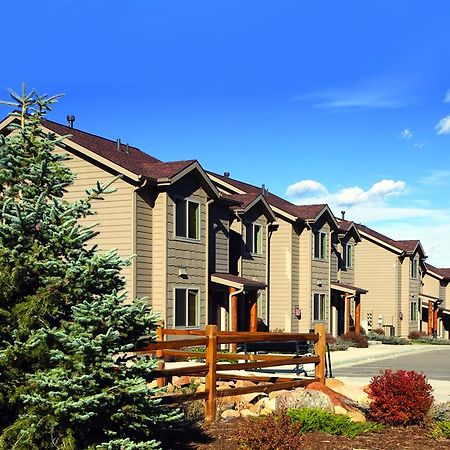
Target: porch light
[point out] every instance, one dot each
(298, 313)
(400, 315)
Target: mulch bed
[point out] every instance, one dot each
(222, 435)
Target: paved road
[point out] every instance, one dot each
(435, 365)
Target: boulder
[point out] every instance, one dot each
(340, 410)
(265, 412)
(336, 398)
(355, 393)
(201, 388)
(248, 413)
(253, 396)
(244, 383)
(302, 398)
(275, 394)
(356, 415)
(230, 413)
(270, 403)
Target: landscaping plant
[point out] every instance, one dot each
(311, 419)
(399, 398)
(65, 325)
(359, 340)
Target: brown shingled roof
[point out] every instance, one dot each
(405, 246)
(443, 272)
(132, 161)
(308, 212)
(243, 199)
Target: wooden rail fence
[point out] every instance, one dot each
(213, 369)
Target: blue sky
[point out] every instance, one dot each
(343, 102)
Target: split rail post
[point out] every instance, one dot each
(211, 376)
(161, 382)
(320, 346)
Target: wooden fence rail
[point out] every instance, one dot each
(211, 338)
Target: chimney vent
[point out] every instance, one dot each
(70, 120)
(343, 215)
(127, 149)
(118, 144)
(226, 174)
(264, 190)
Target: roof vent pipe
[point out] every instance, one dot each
(70, 120)
(127, 149)
(118, 144)
(343, 215)
(226, 174)
(264, 191)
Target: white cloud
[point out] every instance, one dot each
(420, 144)
(447, 97)
(347, 196)
(443, 127)
(305, 187)
(406, 134)
(436, 178)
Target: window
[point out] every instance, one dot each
(187, 307)
(319, 304)
(413, 310)
(320, 245)
(253, 239)
(187, 218)
(415, 268)
(348, 255)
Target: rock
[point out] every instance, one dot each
(244, 383)
(229, 413)
(170, 388)
(334, 383)
(181, 381)
(270, 403)
(336, 399)
(265, 412)
(356, 415)
(340, 410)
(153, 384)
(355, 393)
(275, 394)
(223, 387)
(201, 388)
(304, 399)
(253, 396)
(253, 408)
(248, 413)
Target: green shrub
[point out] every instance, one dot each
(440, 412)
(400, 398)
(340, 345)
(359, 340)
(390, 340)
(378, 331)
(432, 341)
(318, 420)
(276, 431)
(441, 429)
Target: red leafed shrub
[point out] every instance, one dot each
(330, 339)
(399, 398)
(417, 334)
(378, 331)
(359, 340)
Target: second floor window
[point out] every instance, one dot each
(348, 255)
(187, 218)
(320, 245)
(415, 268)
(319, 306)
(253, 238)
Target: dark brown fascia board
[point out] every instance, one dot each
(270, 215)
(332, 219)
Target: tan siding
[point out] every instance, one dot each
(159, 255)
(347, 274)
(431, 286)
(219, 239)
(336, 252)
(295, 302)
(305, 240)
(144, 243)
(376, 271)
(280, 277)
(113, 214)
(184, 253)
(403, 325)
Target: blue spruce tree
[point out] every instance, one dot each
(66, 379)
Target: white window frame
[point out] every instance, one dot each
(187, 201)
(348, 247)
(198, 304)
(323, 253)
(413, 311)
(253, 247)
(324, 311)
(415, 268)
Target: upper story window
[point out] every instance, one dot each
(254, 238)
(348, 255)
(320, 244)
(413, 310)
(187, 218)
(415, 268)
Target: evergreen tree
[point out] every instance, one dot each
(66, 381)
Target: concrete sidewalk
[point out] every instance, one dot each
(377, 352)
